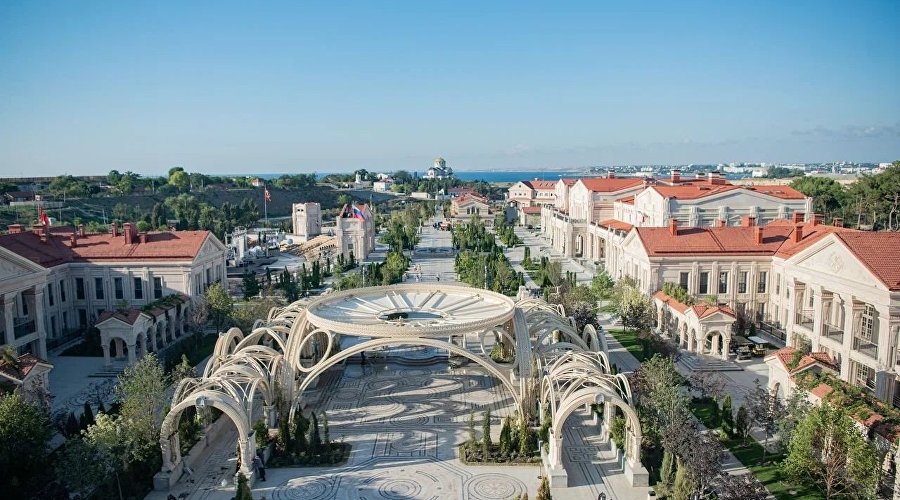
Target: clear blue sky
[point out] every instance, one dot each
(217, 87)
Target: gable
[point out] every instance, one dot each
(633, 245)
(831, 258)
(13, 266)
(211, 246)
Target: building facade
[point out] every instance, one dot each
(307, 220)
(64, 280)
(354, 231)
(468, 206)
(439, 170)
(532, 193)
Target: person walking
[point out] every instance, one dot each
(260, 467)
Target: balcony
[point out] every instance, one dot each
(834, 333)
(806, 321)
(23, 327)
(866, 347)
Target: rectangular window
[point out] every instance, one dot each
(864, 376)
(82, 318)
(704, 283)
(208, 278)
(777, 284)
(53, 326)
(62, 290)
(65, 320)
(119, 288)
(761, 284)
(138, 289)
(723, 282)
(867, 326)
(157, 288)
(79, 288)
(742, 282)
(50, 293)
(98, 288)
(683, 280)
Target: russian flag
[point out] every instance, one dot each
(357, 213)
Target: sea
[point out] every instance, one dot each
(496, 175)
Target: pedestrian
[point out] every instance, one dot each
(260, 467)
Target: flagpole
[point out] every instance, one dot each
(266, 204)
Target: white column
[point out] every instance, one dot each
(106, 360)
(131, 353)
(39, 321)
(9, 315)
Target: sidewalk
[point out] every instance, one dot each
(628, 363)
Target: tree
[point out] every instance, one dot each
(765, 408)
(543, 492)
(250, 285)
(182, 370)
(180, 180)
(326, 433)
(602, 285)
(741, 487)
(486, 434)
(80, 467)
(87, 416)
(662, 403)
(684, 486)
(219, 303)
(727, 415)
(243, 488)
(313, 439)
(828, 452)
(25, 432)
(742, 423)
(526, 440)
(301, 425)
(635, 310)
(141, 393)
(667, 470)
(506, 437)
(796, 408)
(473, 438)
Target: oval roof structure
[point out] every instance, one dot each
(411, 310)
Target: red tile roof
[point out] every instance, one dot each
(569, 182)
(615, 224)
(540, 185)
(26, 362)
(821, 390)
(811, 233)
(702, 190)
(468, 197)
(628, 200)
(879, 252)
(701, 310)
(670, 301)
(659, 241)
(128, 316)
(607, 185)
(785, 356)
(531, 210)
(57, 250)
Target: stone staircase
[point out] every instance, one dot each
(700, 363)
(112, 371)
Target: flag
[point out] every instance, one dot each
(42, 216)
(357, 213)
(267, 195)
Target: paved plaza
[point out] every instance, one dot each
(405, 416)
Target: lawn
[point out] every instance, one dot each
(630, 342)
(750, 454)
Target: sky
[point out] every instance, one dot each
(241, 87)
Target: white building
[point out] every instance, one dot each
(468, 206)
(532, 193)
(307, 219)
(354, 231)
(705, 202)
(383, 185)
(440, 170)
(62, 281)
(820, 288)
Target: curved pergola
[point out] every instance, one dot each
(285, 352)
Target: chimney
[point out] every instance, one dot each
(798, 217)
(81, 230)
(128, 229)
(676, 176)
(836, 222)
(798, 233)
(817, 219)
(610, 174)
(757, 234)
(720, 222)
(715, 177)
(74, 240)
(114, 229)
(673, 226)
(16, 228)
(143, 237)
(748, 221)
